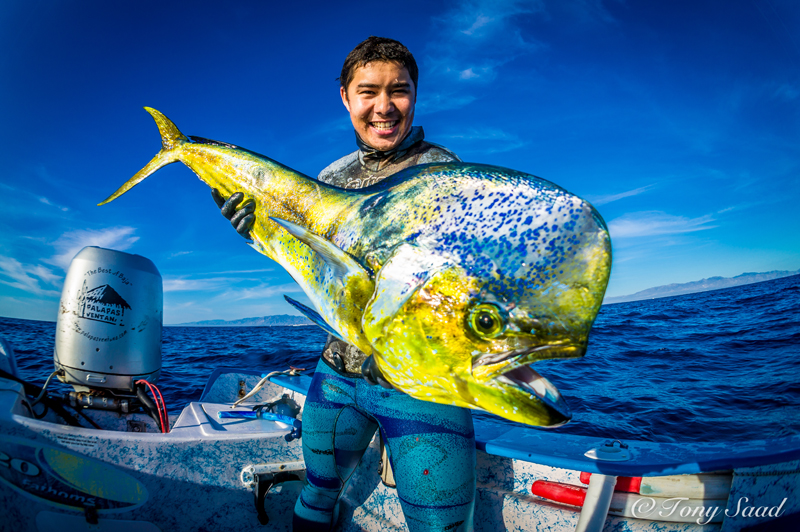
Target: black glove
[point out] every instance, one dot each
(242, 218)
(373, 375)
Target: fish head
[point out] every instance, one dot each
(459, 316)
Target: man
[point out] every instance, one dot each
(431, 446)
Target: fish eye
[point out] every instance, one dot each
(487, 320)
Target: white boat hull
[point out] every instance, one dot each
(199, 475)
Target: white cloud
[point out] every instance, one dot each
(487, 140)
(608, 198)
(206, 285)
(485, 19)
(69, 244)
(480, 22)
(586, 11)
(431, 103)
(29, 278)
(653, 223)
(263, 291)
(471, 42)
(48, 202)
(188, 285)
(474, 39)
(225, 288)
(208, 282)
(47, 275)
(228, 272)
(786, 92)
(479, 36)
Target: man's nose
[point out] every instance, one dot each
(384, 104)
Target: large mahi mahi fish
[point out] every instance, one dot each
(454, 277)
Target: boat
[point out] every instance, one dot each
(107, 457)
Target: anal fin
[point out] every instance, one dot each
(315, 317)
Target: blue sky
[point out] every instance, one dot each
(679, 120)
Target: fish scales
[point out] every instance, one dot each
(454, 277)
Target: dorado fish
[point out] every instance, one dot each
(453, 277)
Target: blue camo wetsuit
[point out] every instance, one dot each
(431, 449)
(431, 446)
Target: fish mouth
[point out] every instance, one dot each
(528, 381)
(487, 366)
(513, 368)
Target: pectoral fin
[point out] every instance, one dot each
(347, 287)
(351, 282)
(401, 276)
(314, 316)
(342, 264)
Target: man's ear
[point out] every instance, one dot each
(345, 101)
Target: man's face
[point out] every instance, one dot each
(381, 99)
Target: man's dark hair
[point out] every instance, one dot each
(378, 49)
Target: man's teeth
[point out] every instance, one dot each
(383, 125)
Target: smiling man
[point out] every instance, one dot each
(431, 447)
(382, 103)
(379, 90)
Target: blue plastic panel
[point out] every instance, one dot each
(647, 458)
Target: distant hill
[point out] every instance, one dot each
(277, 320)
(704, 285)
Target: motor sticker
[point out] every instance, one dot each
(102, 303)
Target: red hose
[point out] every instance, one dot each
(163, 416)
(627, 484)
(555, 491)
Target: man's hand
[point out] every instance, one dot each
(373, 375)
(241, 217)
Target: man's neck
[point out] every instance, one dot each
(368, 154)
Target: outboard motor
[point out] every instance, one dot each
(108, 332)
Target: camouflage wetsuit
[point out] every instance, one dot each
(431, 446)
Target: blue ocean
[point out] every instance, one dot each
(712, 366)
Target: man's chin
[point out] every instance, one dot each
(385, 141)
(382, 143)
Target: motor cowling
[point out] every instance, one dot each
(108, 332)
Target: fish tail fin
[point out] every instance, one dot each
(171, 139)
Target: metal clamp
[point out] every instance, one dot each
(249, 472)
(263, 477)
